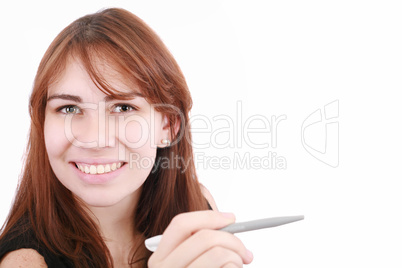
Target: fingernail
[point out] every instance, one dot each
(250, 255)
(228, 215)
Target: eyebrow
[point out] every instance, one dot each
(106, 99)
(65, 97)
(130, 95)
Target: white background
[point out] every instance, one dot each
(278, 58)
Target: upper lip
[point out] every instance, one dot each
(99, 161)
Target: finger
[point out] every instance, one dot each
(203, 241)
(184, 225)
(218, 257)
(230, 265)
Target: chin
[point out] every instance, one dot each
(100, 203)
(98, 199)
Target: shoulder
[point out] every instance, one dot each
(207, 196)
(24, 257)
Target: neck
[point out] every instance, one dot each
(116, 222)
(116, 225)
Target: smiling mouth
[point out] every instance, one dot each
(98, 169)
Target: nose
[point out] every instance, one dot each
(90, 130)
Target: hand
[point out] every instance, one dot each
(192, 240)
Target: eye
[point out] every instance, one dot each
(70, 109)
(122, 108)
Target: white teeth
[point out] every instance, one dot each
(99, 169)
(107, 168)
(113, 167)
(92, 169)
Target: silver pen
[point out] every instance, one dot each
(239, 227)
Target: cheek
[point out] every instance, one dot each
(136, 133)
(139, 133)
(140, 143)
(55, 138)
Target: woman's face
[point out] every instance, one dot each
(101, 149)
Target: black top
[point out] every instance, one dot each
(24, 237)
(27, 239)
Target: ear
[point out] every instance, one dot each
(168, 128)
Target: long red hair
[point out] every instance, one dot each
(60, 222)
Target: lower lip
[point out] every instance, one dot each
(98, 178)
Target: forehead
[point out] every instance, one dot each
(76, 79)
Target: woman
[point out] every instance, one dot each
(109, 128)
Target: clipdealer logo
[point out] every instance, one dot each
(257, 132)
(320, 134)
